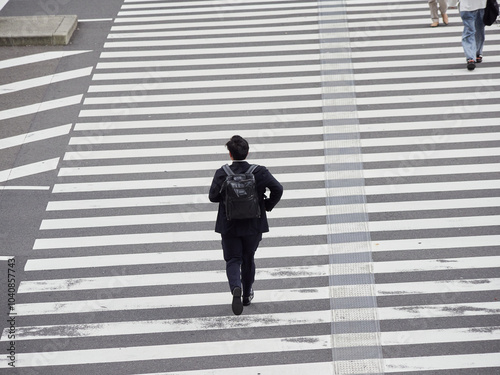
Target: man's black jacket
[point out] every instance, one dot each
(246, 227)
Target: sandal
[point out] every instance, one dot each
(479, 59)
(471, 64)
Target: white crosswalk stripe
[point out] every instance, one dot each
(383, 254)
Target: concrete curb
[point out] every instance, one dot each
(37, 30)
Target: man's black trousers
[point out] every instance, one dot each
(239, 255)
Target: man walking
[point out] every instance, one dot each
(241, 237)
(472, 13)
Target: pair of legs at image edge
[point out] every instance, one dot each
(239, 253)
(473, 37)
(443, 8)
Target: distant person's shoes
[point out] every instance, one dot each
(237, 304)
(435, 24)
(471, 64)
(445, 19)
(248, 300)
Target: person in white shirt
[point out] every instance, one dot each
(472, 13)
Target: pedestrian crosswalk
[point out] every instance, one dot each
(383, 254)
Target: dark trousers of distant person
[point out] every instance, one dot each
(239, 255)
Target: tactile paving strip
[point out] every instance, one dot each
(355, 325)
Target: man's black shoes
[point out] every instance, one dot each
(237, 304)
(248, 300)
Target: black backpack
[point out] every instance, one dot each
(240, 194)
(490, 12)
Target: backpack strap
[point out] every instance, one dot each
(228, 170)
(252, 168)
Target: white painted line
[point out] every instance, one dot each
(430, 336)
(97, 20)
(239, 83)
(24, 188)
(4, 258)
(134, 111)
(265, 296)
(169, 183)
(285, 177)
(314, 38)
(193, 17)
(174, 97)
(186, 150)
(219, 6)
(129, 185)
(436, 243)
(445, 362)
(165, 200)
(219, 276)
(194, 3)
(407, 42)
(311, 57)
(162, 302)
(440, 286)
(398, 172)
(166, 257)
(203, 51)
(444, 124)
(376, 22)
(442, 222)
(124, 220)
(34, 136)
(269, 23)
(456, 72)
(45, 80)
(40, 107)
(433, 205)
(427, 33)
(421, 311)
(187, 166)
(462, 97)
(158, 352)
(405, 171)
(436, 264)
(289, 369)
(432, 187)
(276, 123)
(419, 63)
(313, 67)
(199, 199)
(3, 3)
(39, 57)
(169, 151)
(148, 33)
(29, 169)
(249, 321)
(162, 279)
(152, 219)
(431, 139)
(170, 325)
(166, 237)
(428, 111)
(430, 154)
(370, 190)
